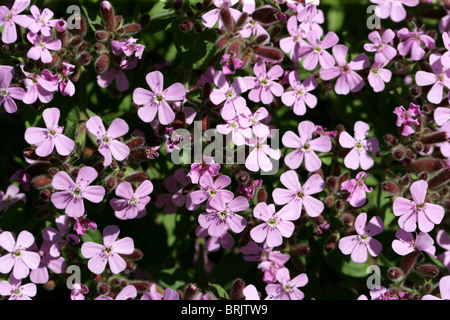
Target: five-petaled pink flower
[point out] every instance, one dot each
(210, 18)
(405, 118)
(156, 100)
(348, 80)
(263, 86)
(411, 43)
(381, 45)
(439, 78)
(405, 243)
(276, 224)
(291, 45)
(393, 8)
(315, 52)
(8, 92)
(133, 202)
(51, 137)
(220, 215)
(378, 76)
(305, 146)
(287, 288)
(72, 194)
(297, 196)
(58, 238)
(9, 18)
(210, 189)
(358, 245)
(18, 258)
(417, 210)
(16, 290)
(300, 96)
(99, 255)
(357, 189)
(41, 47)
(260, 154)
(360, 147)
(43, 22)
(109, 146)
(11, 196)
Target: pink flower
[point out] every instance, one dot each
(255, 121)
(210, 18)
(109, 146)
(443, 240)
(56, 265)
(250, 293)
(11, 196)
(308, 11)
(393, 9)
(405, 118)
(300, 97)
(220, 215)
(82, 225)
(442, 117)
(276, 225)
(51, 137)
(41, 47)
(176, 186)
(305, 146)
(312, 21)
(229, 94)
(357, 189)
(206, 167)
(378, 76)
(43, 22)
(360, 147)
(78, 291)
(260, 154)
(129, 48)
(9, 18)
(39, 86)
(405, 243)
(358, 245)
(291, 45)
(348, 80)
(59, 238)
(417, 210)
(264, 86)
(210, 189)
(439, 78)
(230, 64)
(127, 293)
(249, 190)
(66, 86)
(72, 194)
(18, 257)
(16, 291)
(239, 133)
(153, 294)
(411, 42)
(99, 255)
(381, 45)
(156, 100)
(286, 288)
(122, 84)
(315, 52)
(133, 202)
(8, 92)
(295, 196)
(444, 289)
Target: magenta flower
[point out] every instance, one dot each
(378, 76)
(260, 154)
(381, 45)
(286, 288)
(210, 18)
(291, 45)
(127, 293)
(99, 255)
(9, 18)
(230, 64)
(264, 86)
(59, 238)
(255, 121)
(133, 202)
(210, 189)
(16, 291)
(295, 196)
(153, 294)
(411, 43)
(405, 243)
(179, 197)
(312, 22)
(56, 265)
(39, 86)
(357, 189)
(358, 245)
(315, 52)
(439, 78)
(300, 96)
(239, 133)
(229, 94)
(72, 194)
(156, 100)
(8, 92)
(129, 48)
(41, 47)
(393, 9)
(18, 258)
(220, 215)
(117, 75)
(82, 225)
(11, 196)
(305, 146)
(43, 22)
(66, 86)
(405, 118)
(360, 147)
(417, 210)
(206, 167)
(78, 291)
(50, 138)
(444, 290)
(276, 225)
(348, 80)
(109, 146)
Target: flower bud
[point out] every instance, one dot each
(390, 139)
(262, 195)
(137, 177)
(135, 142)
(426, 164)
(189, 292)
(395, 274)
(227, 20)
(234, 48)
(84, 58)
(330, 244)
(409, 261)
(329, 201)
(50, 285)
(102, 35)
(108, 16)
(102, 63)
(348, 220)
(301, 250)
(83, 25)
(45, 194)
(221, 42)
(439, 179)
(245, 238)
(270, 53)
(344, 177)
(415, 91)
(41, 182)
(96, 278)
(405, 180)
(436, 137)
(141, 286)
(241, 21)
(423, 175)
(237, 288)
(259, 40)
(103, 288)
(418, 146)
(332, 184)
(186, 25)
(427, 270)
(110, 184)
(398, 152)
(267, 15)
(391, 187)
(130, 29)
(339, 205)
(178, 4)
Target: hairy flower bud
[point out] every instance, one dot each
(398, 153)
(391, 187)
(301, 250)
(108, 16)
(102, 35)
(84, 58)
(395, 274)
(102, 63)
(130, 29)
(227, 19)
(189, 292)
(270, 53)
(237, 288)
(268, 15)
(329, 201)
(330, 244)
(409, 261)
(439, 179)
(436, 137)
(241, 21)
(426, 164)
(41, 182)
(424, 175)
(348, 220)
(110, 184)
(262, 195)
(103, 288)
(137, 177)
(332, 184)
(186, 25)
(427, 270)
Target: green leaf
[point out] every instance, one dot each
(221, 292)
